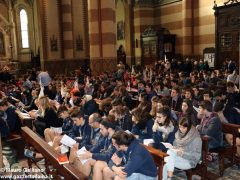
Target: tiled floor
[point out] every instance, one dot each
(232, 173)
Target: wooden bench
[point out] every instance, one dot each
(201, 168)
(228, 151)
(158, 157)
(50, 155)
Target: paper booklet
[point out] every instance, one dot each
(127, 131)
(196, 109)
(64, 149)
(57, 129)
(170, 146)
(82, 151)
(68, 141)
(148, 141)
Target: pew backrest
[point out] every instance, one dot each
(66, 170)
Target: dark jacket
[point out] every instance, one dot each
(125, 123)
(85, 134)
(143, 132)
(50, 118)
(139, 160)
(177, 105)
(99, 146)
(106, 153)
(4, 129)
(90, 107)
(231, 115)
(158, 138)
(13, 120)
(213, 129)
(67, 125)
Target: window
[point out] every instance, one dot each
(24, 28)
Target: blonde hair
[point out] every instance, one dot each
(44, 102)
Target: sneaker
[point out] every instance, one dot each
(28, 153)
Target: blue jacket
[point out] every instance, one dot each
(74, 131)
(90, 107)
(99, 146)
(145, 133)
(85, 134)
(158, 137)
(67, 125)
(139, 160)
(213, 129)
(94, 138)
(4, 129)
(106, 153)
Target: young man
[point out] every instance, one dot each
(176, 100)
(83, 132)
(136, 162)
(94, 121)
(101, 152)
(210, 125)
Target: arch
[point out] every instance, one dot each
(24, 28)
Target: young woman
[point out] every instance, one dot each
(187, 110)
(163, 128)
(154, 101)
(143, 123)
(48, 117)
(123, 117)
(186, 150)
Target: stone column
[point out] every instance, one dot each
(143, 18)
(187, 29)
(67, 29)
(102, 32)
(129, 35)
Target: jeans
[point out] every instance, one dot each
(138, 176)
(174, 161)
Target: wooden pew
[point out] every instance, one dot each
(201, 168)
(25, 120)
(50, 155)
(228, 151)
(158, 157)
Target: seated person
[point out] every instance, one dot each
(8, 114)
(82, 134)
(186, 151)
(163, 128)
(102, 151)
(94, 121)
(4, 129)
(143, 123)
(48, 117)
(210, 125)
(123, 117)
(89, 105)
(228, 115)
(136, 162)
(63, 114)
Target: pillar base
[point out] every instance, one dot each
(99, 65)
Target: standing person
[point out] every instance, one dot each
(186, 151)
(44, 80)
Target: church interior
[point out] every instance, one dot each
(104, 65)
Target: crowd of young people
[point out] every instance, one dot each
(113, 113)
